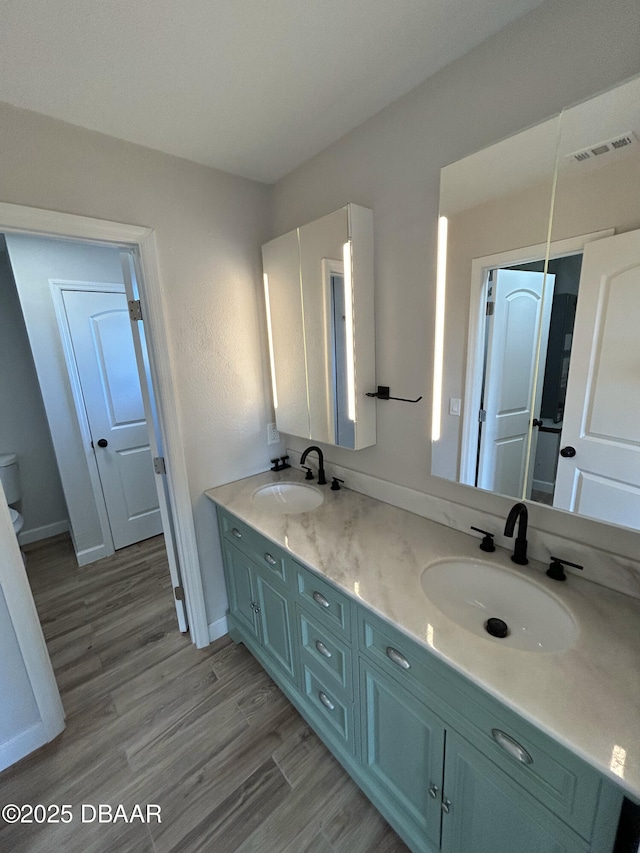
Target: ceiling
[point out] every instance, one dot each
(253, 87)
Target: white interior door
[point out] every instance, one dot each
(31, 712)
(100, 331)
(602, 409)
(131, 278)
(511, 369)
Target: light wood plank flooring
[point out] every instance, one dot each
(150, 719)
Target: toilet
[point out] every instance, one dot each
(10, 479)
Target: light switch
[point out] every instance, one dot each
(454, 406)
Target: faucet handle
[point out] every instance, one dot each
(335, 486)
(309, 474)
(276, 465)
(487, 542)
(556, 568)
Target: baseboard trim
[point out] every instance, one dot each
(90, 555)
(46, 531)
(218, 629)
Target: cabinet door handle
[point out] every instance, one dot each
(255, 607)
(319, 598)
(434, 791)
(398, 658)
(511, 746)
(328, 704)
(236, 533)
(320, 646)
(271, 560)
(446, 805)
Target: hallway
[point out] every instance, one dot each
(204, 734)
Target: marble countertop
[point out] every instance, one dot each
(587, 697)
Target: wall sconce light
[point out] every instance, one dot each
(270, 337)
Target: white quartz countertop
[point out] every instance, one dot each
(587, 697)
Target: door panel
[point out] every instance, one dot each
(242, 597)
(100, 331)
(403, 750)
(522, 310)
(276, 624)
(487, 813)
(602, 410)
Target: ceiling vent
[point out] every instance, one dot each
(618, 143)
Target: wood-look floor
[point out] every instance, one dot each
(205, 734)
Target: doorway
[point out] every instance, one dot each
(82, 342)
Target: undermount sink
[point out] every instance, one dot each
(287, 498)
(472, 592)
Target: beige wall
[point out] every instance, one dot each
(562, 51)
(209, 227)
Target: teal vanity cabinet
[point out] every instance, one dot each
(453, 769)
(258, 580)
(450, 767)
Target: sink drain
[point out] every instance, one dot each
(497, 628)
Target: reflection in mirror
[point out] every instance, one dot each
(319, 299)
(580, 393)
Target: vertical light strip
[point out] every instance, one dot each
(270, 336)
(438, 346)
(348, 318)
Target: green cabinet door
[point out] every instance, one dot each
(275, 622)
(239, 573)
(484, 811)
(403, 754)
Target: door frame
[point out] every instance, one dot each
(28, 220)
(57, 286)
(480, 268)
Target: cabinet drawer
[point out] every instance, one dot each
(323, 651)
(333, 713)
(396, 654)
(265, 553)
(329, 606)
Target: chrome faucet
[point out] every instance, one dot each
(518, 513)
(322, 480)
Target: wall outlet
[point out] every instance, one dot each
(273, 436)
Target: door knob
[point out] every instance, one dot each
(102, 442)
(536, 422)
(568, 452)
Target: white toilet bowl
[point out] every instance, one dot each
(16, 519)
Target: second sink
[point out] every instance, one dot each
(472, 592)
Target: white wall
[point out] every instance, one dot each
(35, 262)
(23, 425)
(562, 51)
(209, 227)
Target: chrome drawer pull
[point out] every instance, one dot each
(399, 659)
(446, 805)
(433, 791)
(319, 598)
(511, 746)
(236, 533)
(328, 704)
(271, 560)
(320, 646)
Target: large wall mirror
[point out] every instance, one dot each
(541, 357)
(319, 298)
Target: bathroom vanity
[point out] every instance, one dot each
(463, 742)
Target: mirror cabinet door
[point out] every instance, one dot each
(497, 205)
(591, 465)
(319, 293)
(283, 296)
